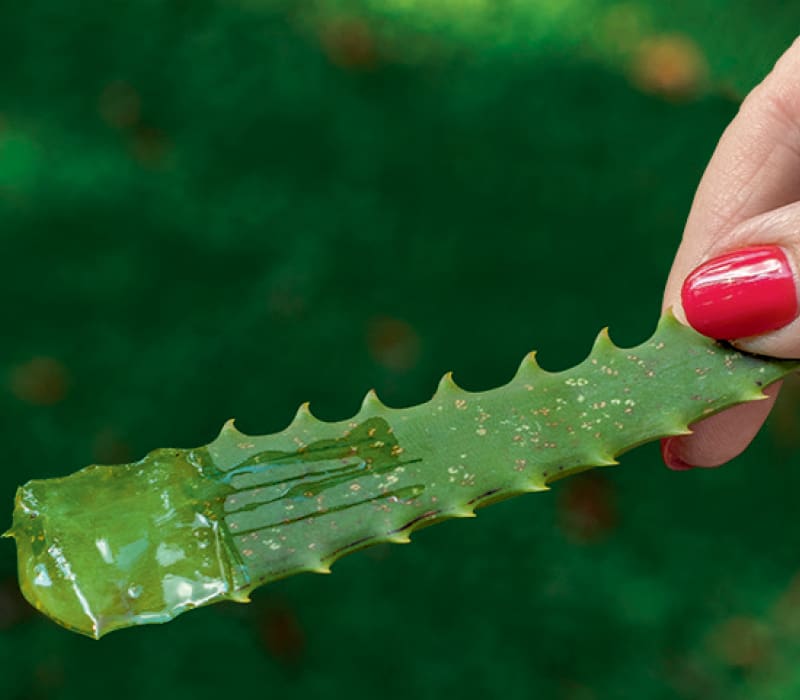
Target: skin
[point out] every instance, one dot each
(749, 195)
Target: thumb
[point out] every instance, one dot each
(745, 292)
(734, 275)
(748, 292)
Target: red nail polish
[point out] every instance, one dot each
(670, 459)
(747, 292)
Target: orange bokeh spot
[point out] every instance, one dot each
(393, 343)
(282, 635)
(349, 43)
(13, 607)
(42, 381)
(670, 65)
(741, 642)
(586, 508)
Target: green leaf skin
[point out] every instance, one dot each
(115, 546)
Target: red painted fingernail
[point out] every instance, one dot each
(670, 459)
(747, 292)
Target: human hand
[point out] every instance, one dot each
(735, 273)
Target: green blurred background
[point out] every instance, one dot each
(218, 208)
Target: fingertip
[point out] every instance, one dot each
(742, 293)
(719, 438)
(671, 460)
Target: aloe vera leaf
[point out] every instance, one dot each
(114, 546)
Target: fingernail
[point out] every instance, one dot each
(747, 292)
(670, 459)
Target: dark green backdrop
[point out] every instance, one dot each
(213, 208)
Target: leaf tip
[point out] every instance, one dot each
(230, 429)
(303, 417)
(447, 385)
(398, 538)
(240, 596)
(528, 367)
(679, 428)
(604, 460)
(371, 404)
(602, 341)
(535, 487)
